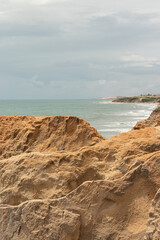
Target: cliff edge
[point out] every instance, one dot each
(19, 134)
(152, 121)
(62, 180)
(139, 99)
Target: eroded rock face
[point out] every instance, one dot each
(39, 220)
(70, 183)
(153, 228)
(20, 134)
(152, 121)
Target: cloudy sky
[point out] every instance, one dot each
(79, 48)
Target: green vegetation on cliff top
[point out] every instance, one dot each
(139, 99)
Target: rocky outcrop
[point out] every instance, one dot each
(69, 183)
(152, 121)
(153, 228)
(139, 99)
(19, 134)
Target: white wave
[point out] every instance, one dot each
(114, 130)
(115, 124)
(147, 105)
(137, 113)
(105, 102)
(139, 118)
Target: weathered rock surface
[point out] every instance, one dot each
(69, 183)
(152, 121)
(153, 228)
(20, 134)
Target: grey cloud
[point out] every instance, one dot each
(35, 80)
(77, 55)
(26, 30)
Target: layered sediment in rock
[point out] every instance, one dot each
(139, 99)
(60, 179)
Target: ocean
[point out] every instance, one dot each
(108, 118)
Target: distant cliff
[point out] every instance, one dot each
(139, 99)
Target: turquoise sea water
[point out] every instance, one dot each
(108, 118)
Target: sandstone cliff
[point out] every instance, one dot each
(61, 180)
(139, 99)
(152, 121)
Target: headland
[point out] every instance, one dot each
(139, 99)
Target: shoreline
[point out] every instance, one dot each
(135, 103)
(139, 99)
(110, 117)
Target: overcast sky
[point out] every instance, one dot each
(79, 48)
